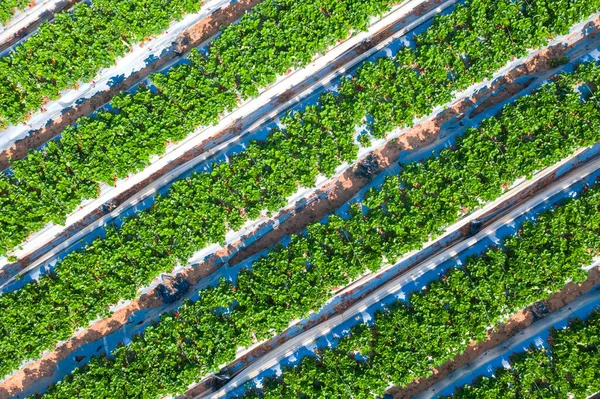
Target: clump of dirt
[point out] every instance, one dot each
(509, 90)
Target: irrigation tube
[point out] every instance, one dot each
(43, 240)
(124, 335)
(134, 205)
(132, 62)
(139, 320)
(47, 237)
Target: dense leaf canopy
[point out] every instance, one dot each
(570, 368)
(293, 280)
(75, 46)
(51, 183)
(9, 7)
(199, 210)
(89, 37)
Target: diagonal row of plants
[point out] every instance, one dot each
(456, 52)
(276, 36)
(75, 46)
(9, 7)
(411, 338)
(78, 43)
(291, 281)
(198, 210)
(569, 368)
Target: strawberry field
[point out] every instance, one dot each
(291, 281)
(465, 52)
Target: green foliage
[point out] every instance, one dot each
(92, 36)
(291, 281)
(9, 7)
(438, 323)
(198, 211)
(51, 183)
(569, 369)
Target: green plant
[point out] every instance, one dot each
(9, 7)
(52, 182)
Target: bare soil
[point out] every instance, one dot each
(337, 192)
(514, 325)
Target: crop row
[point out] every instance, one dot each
(433, 326)
(291, 281)
(275, 36)
(75, 46)
(569, 368)
(8, 8)
(199, 210)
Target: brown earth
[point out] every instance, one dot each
(17, 382)
(513, 326)
(195, 35)
(419, 136)
(217, 139)
(338, 191)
